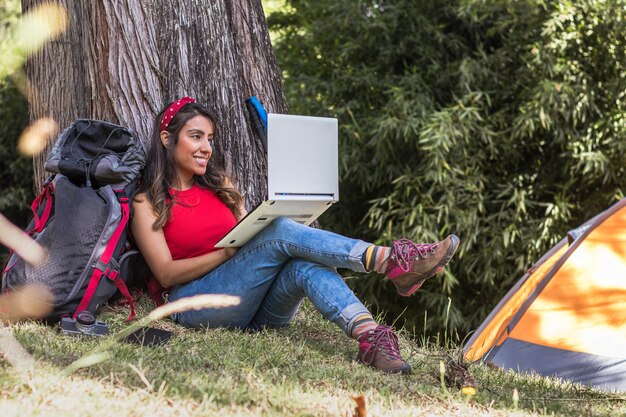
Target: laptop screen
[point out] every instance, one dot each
(302, 158)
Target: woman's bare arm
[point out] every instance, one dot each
(154, 249)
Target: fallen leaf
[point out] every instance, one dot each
(360, 409)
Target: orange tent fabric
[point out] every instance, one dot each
(566, 317)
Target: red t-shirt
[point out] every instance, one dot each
(199, 219)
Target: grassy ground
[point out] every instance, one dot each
(304, 370)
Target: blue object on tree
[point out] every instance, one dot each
(258, 114)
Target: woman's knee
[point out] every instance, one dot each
(280, 229)
(281, 225)
(283, 221)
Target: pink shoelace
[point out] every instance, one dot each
(405, 251)
(386, 341)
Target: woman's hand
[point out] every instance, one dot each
(229, 252)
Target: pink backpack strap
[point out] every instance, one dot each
(46, 195)
(123, 289)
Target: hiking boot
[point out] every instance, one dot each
(379, 349)
(410, 264)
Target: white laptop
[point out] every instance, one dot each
(302, 174)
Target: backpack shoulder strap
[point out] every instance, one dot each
(46, 198)
(105, 266)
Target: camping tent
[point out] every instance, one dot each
(566, 317)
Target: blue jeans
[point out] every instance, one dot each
(273, 272)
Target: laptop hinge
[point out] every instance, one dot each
(305, 196)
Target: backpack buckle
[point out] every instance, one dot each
(111, 270)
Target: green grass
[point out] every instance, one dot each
(306, 369)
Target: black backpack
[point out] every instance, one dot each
(81, 218)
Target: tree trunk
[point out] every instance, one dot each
(122, 60)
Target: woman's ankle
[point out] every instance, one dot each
(362, 324)
(374, 259)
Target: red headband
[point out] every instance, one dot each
(173, 109)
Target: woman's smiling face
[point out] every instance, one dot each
(193, 149)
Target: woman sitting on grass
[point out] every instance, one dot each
(185, 205)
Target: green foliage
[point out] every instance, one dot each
(10, 11)
(502, 122)
(16, 181)
(15, 170)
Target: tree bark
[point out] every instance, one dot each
(122, 60)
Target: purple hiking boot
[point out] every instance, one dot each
(379, 349)
(410, 263)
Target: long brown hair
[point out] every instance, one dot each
(159, 174)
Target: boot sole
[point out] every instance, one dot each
(438, 268)
(404, 370)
